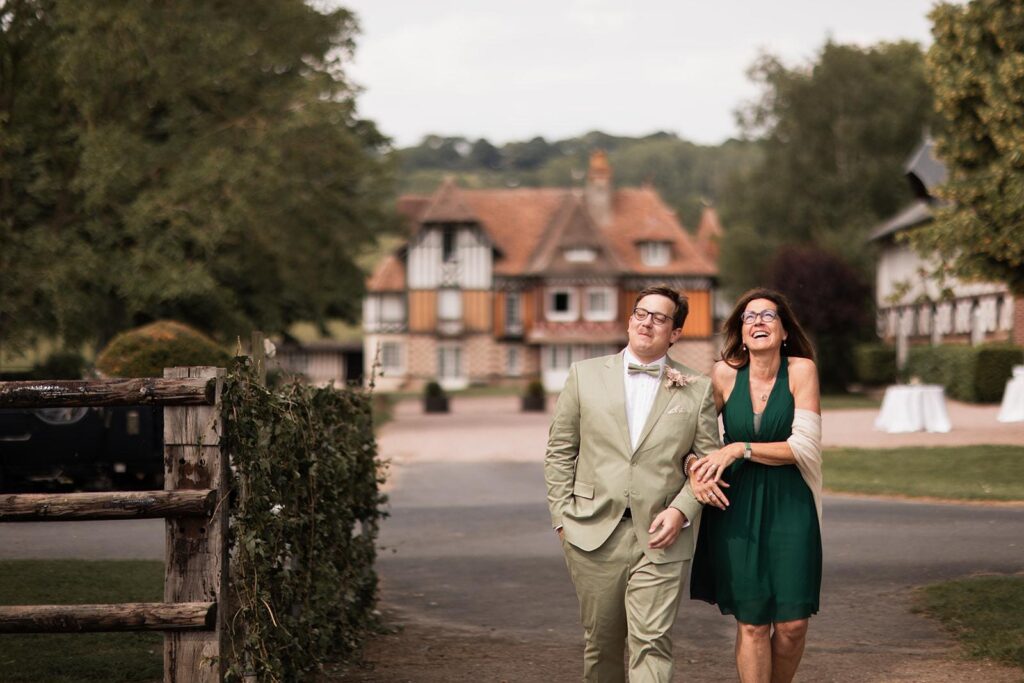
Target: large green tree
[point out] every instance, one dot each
(220, 173)
(976, 67)
(834, 135)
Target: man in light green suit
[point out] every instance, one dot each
(623, 429)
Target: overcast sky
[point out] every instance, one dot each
(559, 68)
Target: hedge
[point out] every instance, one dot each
(975, 374)
(304, 524)
(875, 363)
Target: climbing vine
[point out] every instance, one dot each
(305, 513)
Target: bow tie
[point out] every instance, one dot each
(652, 370)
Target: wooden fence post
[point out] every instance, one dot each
(197, 560)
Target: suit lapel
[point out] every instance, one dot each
(661, 400)
(616, 393)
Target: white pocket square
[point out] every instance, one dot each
(675, 410)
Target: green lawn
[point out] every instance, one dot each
(845, 401)
(71, 658)
(958, 473)
(985, 613)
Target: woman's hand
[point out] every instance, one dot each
(711, 466)
(710, 492)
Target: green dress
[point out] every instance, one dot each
(760, 558)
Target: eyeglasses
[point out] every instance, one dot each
(767, 316)
(657, 318)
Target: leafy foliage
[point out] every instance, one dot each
(976, 66)
(834, 134)
(969, 373)
(304, 525)
(832, 302)
(685, 174)
(146, 351)
(218, 176)
(875, 363)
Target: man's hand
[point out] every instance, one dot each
(561, 533)
(665, 528)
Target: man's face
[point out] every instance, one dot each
(649, 340)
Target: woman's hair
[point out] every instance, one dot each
(735, 354)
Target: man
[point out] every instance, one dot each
(619, 500)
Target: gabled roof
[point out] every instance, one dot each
(388, 276)
(572, 227)
(448, 206)
(924, 172)
(530, 228)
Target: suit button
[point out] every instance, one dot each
(625, 492)
(632, 493)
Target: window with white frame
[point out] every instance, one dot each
(655, 253)
(562, 305)
(579, 254)
(392, 308)
(513, 362)
(391, 356)
(599, 304)
(449, 304)
(513, 312)
(449, 361)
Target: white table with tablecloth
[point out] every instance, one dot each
(1012, 407)
(913, 408)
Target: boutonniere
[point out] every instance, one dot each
(674, 378)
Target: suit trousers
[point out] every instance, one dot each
(624, 596)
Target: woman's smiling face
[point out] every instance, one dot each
(760, 334)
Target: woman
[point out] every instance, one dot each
(758, 555)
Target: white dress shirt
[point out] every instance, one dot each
(640, 391)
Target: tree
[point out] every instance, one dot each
(834, 135)
(220, 174)
(832, 301)
(976, 67)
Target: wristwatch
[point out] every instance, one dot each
(746, 450)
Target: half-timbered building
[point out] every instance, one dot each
(513, 284)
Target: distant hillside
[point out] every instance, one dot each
(684, 173)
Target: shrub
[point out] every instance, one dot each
(433, 390)
(60, 365)
(969, 373)
(535, 389)
(875, 363)
(147, 350)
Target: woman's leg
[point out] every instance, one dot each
(787, 649)
(753, 652)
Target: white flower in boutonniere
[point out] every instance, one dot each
(674, 378)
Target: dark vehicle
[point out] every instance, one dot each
(81, 449)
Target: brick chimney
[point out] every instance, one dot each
(598, 192)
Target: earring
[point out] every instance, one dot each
(744, 348)
(783, 343)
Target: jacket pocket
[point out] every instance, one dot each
(581, 489)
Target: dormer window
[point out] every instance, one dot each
(580, 254)
(655, 253)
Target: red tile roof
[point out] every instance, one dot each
(528, 225)
(709, 233)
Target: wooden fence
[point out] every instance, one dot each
(193, 503)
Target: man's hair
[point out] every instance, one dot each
(677, 298)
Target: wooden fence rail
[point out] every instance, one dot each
(194, 505)
(108, 392)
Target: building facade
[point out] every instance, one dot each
(515, 284)
(913, 305)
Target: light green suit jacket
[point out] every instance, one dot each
(592, 472)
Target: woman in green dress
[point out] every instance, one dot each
(758, 555)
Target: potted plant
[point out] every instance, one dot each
(534, 399)
(434, 398)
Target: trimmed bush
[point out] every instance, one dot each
(60, 365)
(147, 350)
(976, 374)
(876, 364)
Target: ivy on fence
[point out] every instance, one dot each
(304, 525)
